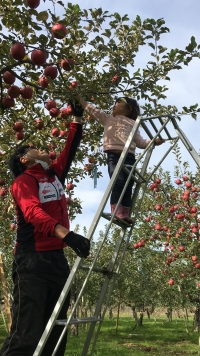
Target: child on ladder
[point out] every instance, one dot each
(117, 127)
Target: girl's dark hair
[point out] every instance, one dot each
(15, 166)
(132, 105)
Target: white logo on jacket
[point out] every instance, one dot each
(50, 191)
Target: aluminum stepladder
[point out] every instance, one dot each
(126, 230)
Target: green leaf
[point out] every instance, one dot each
(42, 16)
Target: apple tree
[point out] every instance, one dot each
(48, 51)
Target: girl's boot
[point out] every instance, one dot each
(125, 214)
(119, 212)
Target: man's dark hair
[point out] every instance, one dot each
(132, 105)
(15, 166)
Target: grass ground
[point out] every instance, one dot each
(155, 339)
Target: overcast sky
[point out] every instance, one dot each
(182, 18)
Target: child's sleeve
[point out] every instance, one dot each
(96, 114)
(140, 141)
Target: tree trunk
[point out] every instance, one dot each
(5, 294)
(117, 320)
(140, 321)
(135, 317)
(197, 319)
(110, 315)
(169, 314)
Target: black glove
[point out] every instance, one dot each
(78, 243)
(76, 108)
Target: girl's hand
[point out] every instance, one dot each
(159, 142)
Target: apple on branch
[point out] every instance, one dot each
(33, 4)
(8, 102)
(18, 126)
(38, 57)
(19, 135)
(67, 64)
(14, 91)
(55, 132)
(70, 186)
(8, 77)
(18, 51)
(59, 31)
(51, 72)
(43, 82)
(39, 124)
(26, 92)
(50, 104)
(54, 112)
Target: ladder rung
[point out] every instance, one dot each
(78, 321)
(117, 221)
(103, 270)
(126, 170)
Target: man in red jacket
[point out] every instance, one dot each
(40, 268)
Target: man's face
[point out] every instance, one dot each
(33, 153)
(120, 108)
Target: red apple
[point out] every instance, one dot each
(18, 126)
(8, 102)
(115, 79)
(158, 207)
(88, 167)
(55, 132)
(178, 181)
(51, 72)
(50, 104)
(188, 184)
(73, 85)
(18, 51)
(148, 218)
(70, 110)
(26, 92)
(158, 180)
(59, 30)
(19, 135)
(38, 57)
(33, 4)
(54, 112)
(12, 226)
(39, 124)
(8, 78)
(193, 209)
(185, 178)
(70, 186)
(135, 246)
(181, 248)
(52, 155)
(14, 91)
(63, 133)
(171, 282)
(158, 227)
(64, 113)
(182, 275)
(43, 82)
(2, 182)
(194, 258)
(67, 64)
(69, 201)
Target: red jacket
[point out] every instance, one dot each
(40, 200)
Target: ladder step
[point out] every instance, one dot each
(126, 170)
(117, 221)
(103, 270)
(78, 321)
